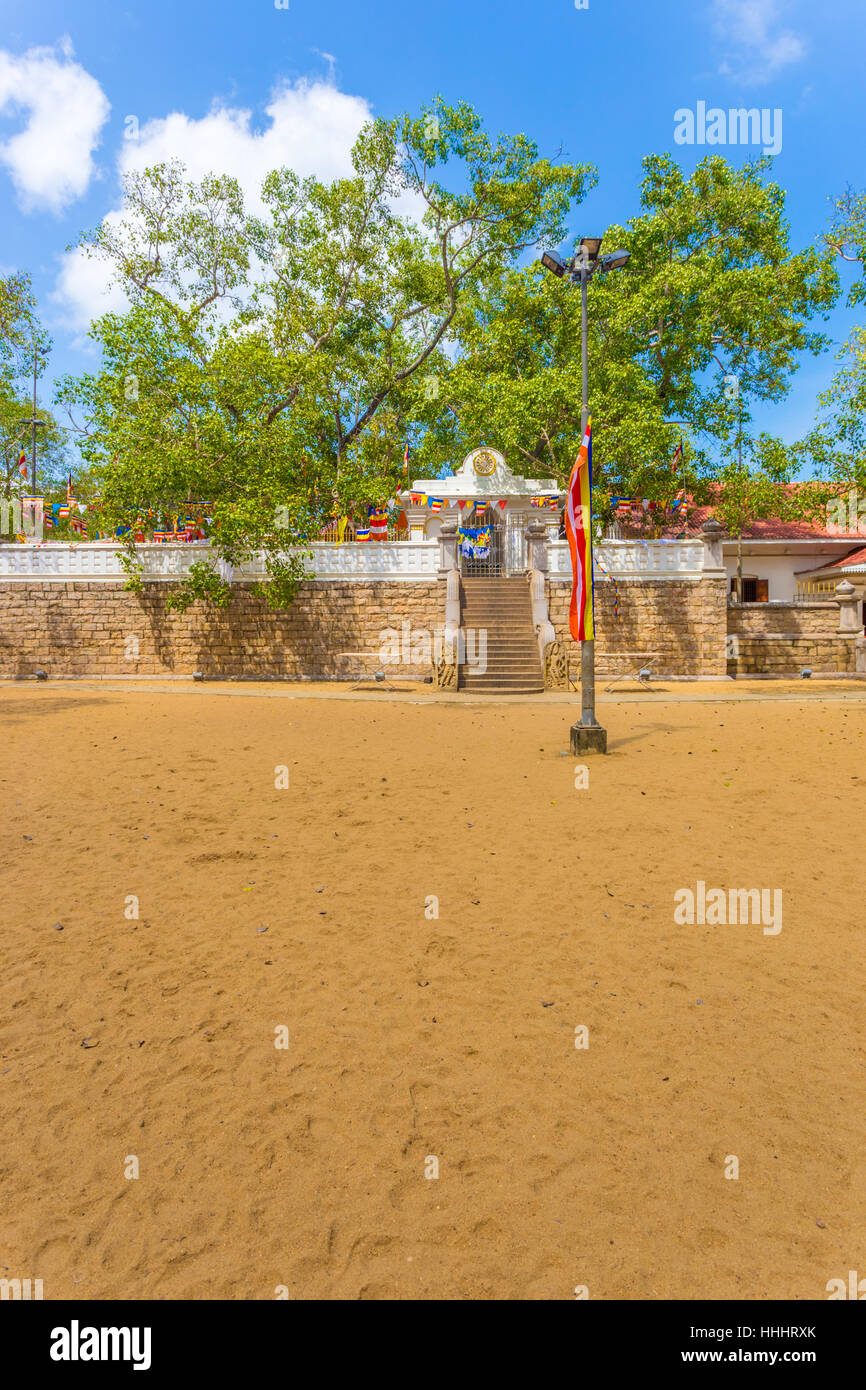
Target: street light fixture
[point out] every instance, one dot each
(35, 423)
(555, 264)
(614, 260)
(588, 736)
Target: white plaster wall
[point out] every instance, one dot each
(780, 570)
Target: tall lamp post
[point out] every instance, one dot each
(34, 422)
(587, 736)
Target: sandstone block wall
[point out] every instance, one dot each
(797, 619)
(780, 655)
(777, 639)
(96, 629)
(100, 629)
(683, 620)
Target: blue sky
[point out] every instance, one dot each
(245, 84)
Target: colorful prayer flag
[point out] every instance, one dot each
(475, 542)
(378, 524)
(578, 526)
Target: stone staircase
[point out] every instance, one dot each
(502, 609)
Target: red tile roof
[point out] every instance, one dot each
(771, 529)
(854, 557)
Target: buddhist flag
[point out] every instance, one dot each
(578, 526)
(406, 461)
(22, 464)
(377, 523)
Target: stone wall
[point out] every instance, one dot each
(682, 620)
(795, 619)
(777, 654)
(86, 629)
(778, 639)
(91, 629)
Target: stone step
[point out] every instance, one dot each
(473, 636)
(502, 609)
(485, 617)
(506, 610)
(535, 688)
(502, 654)
(470, 677)
(526, 672)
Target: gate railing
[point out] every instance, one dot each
(507, 553)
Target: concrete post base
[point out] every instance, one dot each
(588, 738)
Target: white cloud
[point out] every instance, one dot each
(311, 128)
(82, 292)
(757, 47)
(50, 159)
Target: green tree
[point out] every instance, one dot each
(22, 338)
(51, 451)
(708, 317)
(20, 329)
(836, 447)
(260, 357)
(754, 482)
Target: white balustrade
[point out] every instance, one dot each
(633, 560)
(62, 563)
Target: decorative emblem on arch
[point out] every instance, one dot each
(484, 461)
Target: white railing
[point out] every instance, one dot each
(62, 562)
(65, 563)
(634, 560)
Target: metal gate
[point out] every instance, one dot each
(507, 547)
(515, 544)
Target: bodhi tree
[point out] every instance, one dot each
(708, 317)
(261, 351)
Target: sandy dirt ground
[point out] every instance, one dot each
(413, 1037)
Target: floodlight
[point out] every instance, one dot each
(554, 263)
(615, 260)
